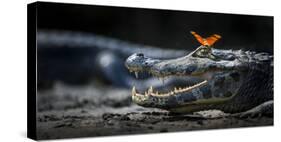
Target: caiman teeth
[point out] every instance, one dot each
(136, 74)
(146, 93)
(150, 90)
(134, 91)
(173, 92)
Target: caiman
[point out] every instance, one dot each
(233, 81)
(80, 58)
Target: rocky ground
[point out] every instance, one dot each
(92, 110)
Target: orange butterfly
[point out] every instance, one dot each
(209, 41)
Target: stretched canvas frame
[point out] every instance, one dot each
(84, 60)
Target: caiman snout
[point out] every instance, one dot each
(138, 62)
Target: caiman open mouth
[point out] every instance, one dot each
(159, 93)
(176, 90)
(192, 82)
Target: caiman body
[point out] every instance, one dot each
(80, 58)
(229, 80)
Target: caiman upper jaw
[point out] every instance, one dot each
(195, 63)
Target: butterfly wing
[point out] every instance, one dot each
(198, 37)
(212, 39)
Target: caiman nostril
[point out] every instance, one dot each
(140, 54)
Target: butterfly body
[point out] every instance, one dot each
(209, 41)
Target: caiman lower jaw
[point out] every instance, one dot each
(176, 90)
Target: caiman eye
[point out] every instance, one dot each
(203, 52)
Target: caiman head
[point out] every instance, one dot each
(218, 73)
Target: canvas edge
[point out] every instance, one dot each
(31, 70)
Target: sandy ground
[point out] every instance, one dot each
(85, 111)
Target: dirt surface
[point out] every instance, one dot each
(69, 111)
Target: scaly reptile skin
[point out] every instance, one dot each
(231, 81)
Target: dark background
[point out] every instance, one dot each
(162, 28)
